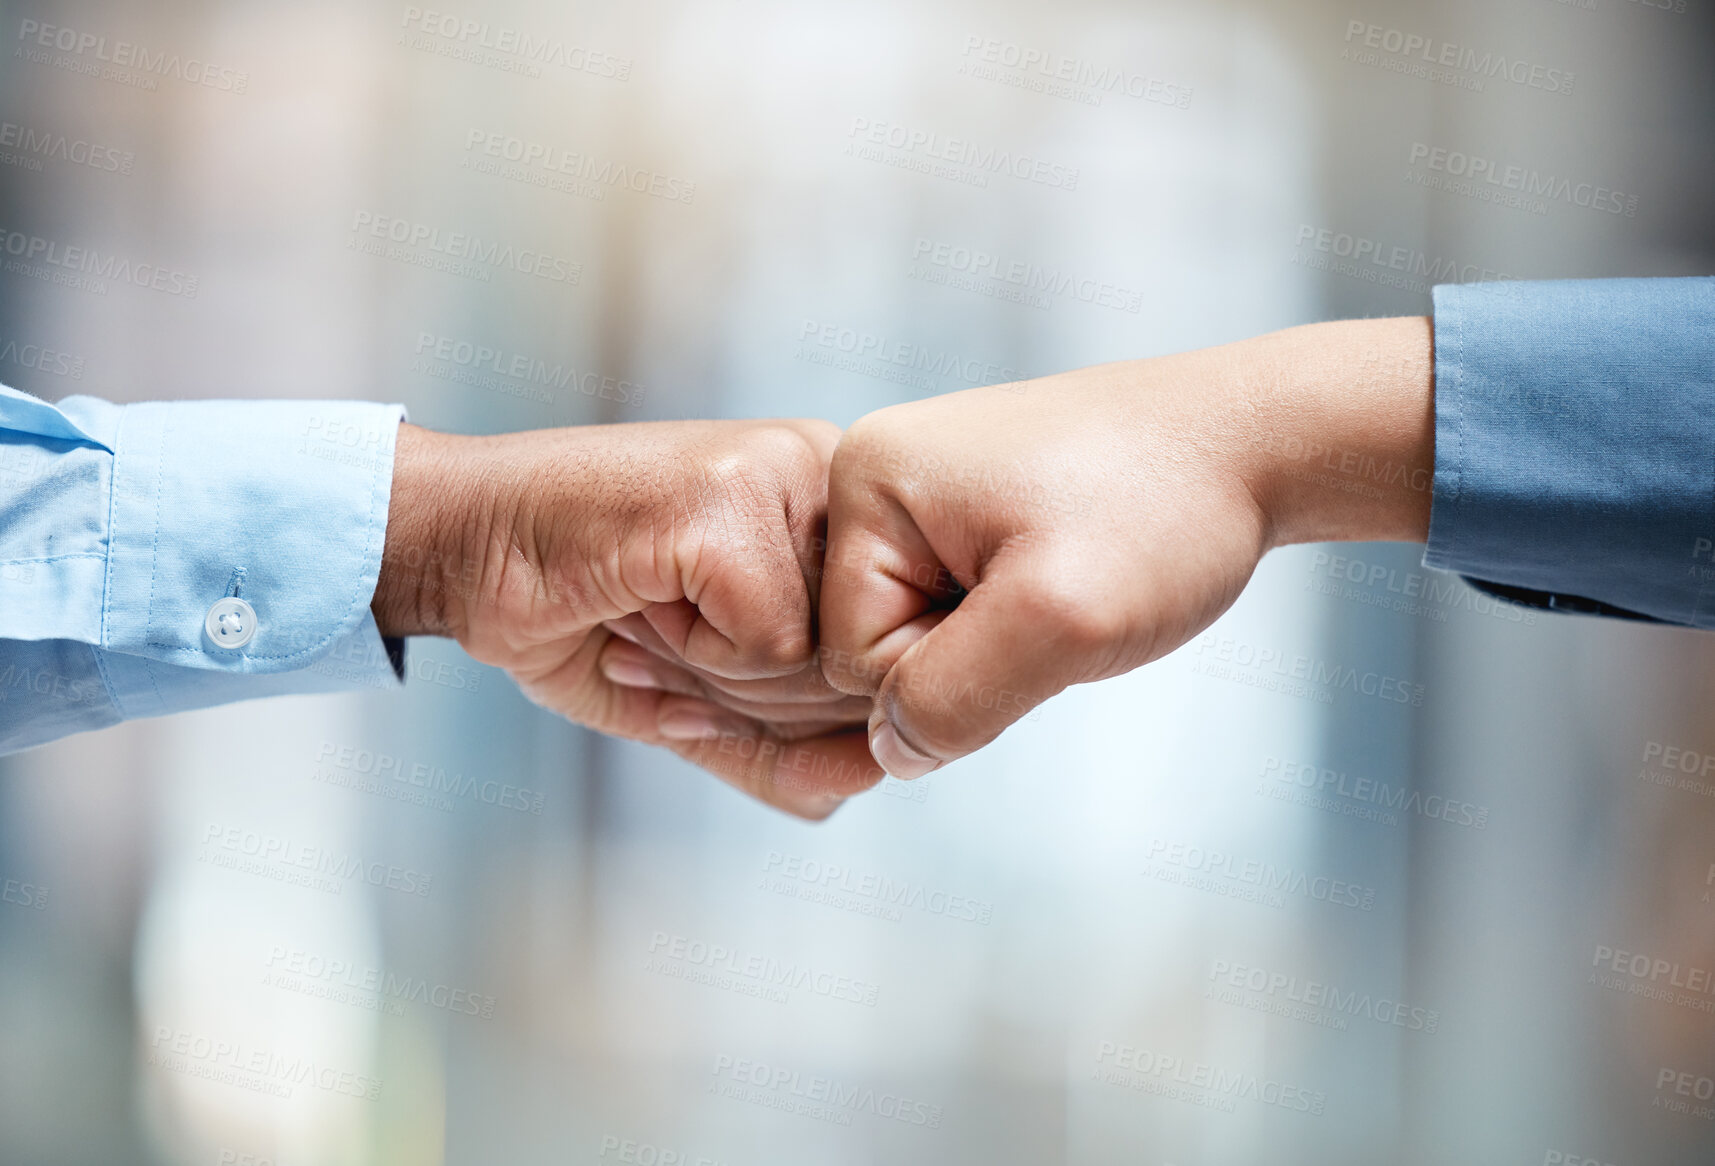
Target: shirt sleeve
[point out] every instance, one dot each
(1575, 444)
(122, 526)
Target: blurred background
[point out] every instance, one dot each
(1190, 917)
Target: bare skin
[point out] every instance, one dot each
(985, 549)
(1097, 520)
(652, 581)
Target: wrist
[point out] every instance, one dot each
(1343, 429)
(428, 574)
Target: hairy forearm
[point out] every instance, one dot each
(426, 564)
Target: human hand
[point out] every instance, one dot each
(990, 547)
(654, 581)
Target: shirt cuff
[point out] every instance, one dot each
(282, 504)
(51, 688)
(1575, 443)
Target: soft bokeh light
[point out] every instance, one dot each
(544, 988)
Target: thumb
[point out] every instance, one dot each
(1020, 636)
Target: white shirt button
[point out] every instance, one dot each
(231, 623)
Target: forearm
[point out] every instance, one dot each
(429, 563)
(1343, 428)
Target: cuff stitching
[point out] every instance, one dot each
(352, 618)
(119, 444)
(98, 657)
(354, 613)
(155, 545)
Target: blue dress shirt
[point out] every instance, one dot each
(1575, 444)
(121, 526)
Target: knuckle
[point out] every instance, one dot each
(779, 446)
(888, 450)
(822, 436)
(733, 477)
(866, 443)
(1072, 618)
(770, 468)
(781, 651)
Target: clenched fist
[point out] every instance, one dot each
(654, 581)
(990, 547)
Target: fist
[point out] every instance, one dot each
(654, 581)
(988, 548)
